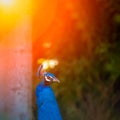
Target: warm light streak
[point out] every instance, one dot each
(15, 6)
(12, 12)
(8, 6)
(6, 3)
(51, 63)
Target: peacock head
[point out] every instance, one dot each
(47, 77)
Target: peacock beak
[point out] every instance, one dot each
(56, 80)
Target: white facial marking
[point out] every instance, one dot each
(47, 79)
(51, 77)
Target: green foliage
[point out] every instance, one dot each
(86, 89)
(89, 66)
(117, 18)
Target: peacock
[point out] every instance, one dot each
(47, 105)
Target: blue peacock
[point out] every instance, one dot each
(48, 108)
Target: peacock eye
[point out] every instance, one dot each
(48, 77)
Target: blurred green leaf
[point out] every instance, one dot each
(117, 18)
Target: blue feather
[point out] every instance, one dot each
(48, 108)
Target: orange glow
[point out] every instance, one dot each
(49, 63)
(45, 13)
(14, 7)
(47, 44)
(12, 12)
(6, 3)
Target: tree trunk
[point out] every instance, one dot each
(16, 72)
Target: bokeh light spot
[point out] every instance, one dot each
(49, 63)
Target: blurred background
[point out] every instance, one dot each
(79, 41)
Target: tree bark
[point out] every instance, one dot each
(16, 72)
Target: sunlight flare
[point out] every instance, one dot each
(7, 3)
(49, 63)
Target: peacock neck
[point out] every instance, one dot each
(44, 83)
